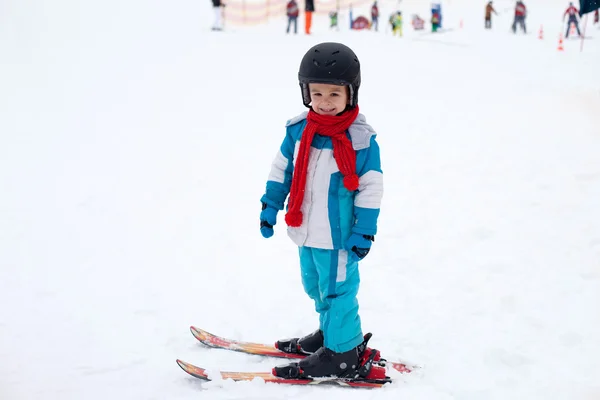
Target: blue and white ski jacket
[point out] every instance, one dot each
(331, 213)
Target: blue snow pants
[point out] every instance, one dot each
(331, 279)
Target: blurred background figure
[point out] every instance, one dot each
(417, 22)
(520, 15)
(573, 13)
(333, 20)
(309, 8)
(218, 9)
(292, 14)
(436, 8)
(435, 22)
(375, 16)
(489, 9)
(396, 23)
(597, 16)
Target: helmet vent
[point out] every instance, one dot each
(335, 52)
(330, 63)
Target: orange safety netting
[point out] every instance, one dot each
(255, 12)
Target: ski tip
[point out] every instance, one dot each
(193, 370)
(195, 329)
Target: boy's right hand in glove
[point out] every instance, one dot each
(268, 218)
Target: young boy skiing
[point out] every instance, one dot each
(329, 165)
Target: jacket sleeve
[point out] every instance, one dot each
(280, 177)
(370, 190)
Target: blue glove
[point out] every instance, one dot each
(358, 245)
(268, 218)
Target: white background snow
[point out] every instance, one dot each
(135, 145)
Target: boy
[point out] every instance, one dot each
(329, 165)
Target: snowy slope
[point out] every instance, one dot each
(134, 148)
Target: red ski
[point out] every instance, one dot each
(268, 377)
(214, 341)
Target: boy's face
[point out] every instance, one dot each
(328, 99)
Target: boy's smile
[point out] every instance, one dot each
(328, 99)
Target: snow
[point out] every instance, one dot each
(135, 145)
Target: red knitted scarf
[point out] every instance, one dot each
(335, 127)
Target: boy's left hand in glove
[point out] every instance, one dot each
(359, 245)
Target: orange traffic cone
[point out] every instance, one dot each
(573, 30)
(560, 42)
(541, 34)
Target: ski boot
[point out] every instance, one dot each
(306, 345)
(355, 364)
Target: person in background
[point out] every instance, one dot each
(596, 17)
(417, 22)
(218, 9)
(375, 16)
(333, 20)
(489, 9)
(435, 22)
(396, 22)
(573, 14)
(520, 15)
(292, 14)
(309, 8)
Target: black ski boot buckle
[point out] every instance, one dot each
(290, 371)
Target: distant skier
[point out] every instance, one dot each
(520, 15)
(596, 17)
(417, 22)
(489, 9)
(309, 8)
(292, 14)
(333, 20)
(218, 9)
(435, 22)
(375, 16)
(573, 13)
(396, 23)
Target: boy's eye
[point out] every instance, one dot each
(334, 94)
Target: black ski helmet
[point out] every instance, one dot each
(332, 63)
